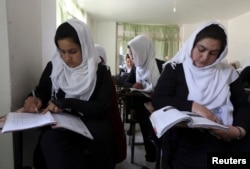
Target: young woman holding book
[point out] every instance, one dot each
(143, 76)
(75, 82)
(196, 80)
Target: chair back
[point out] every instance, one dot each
(118, 128)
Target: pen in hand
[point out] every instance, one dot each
(35, 100)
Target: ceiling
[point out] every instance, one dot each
(161, 11)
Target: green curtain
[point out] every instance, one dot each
(165, 38)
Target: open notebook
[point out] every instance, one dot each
(16, 121)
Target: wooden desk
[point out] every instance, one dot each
(130, 116)
(128, 97)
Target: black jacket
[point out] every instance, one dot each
(95, 112)
(131, 79)
(172, 89)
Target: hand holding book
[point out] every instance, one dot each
(204, 112)
(167, 117)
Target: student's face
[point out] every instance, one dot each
(70, 52)
(129, 62)
(205, 52)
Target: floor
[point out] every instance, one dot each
(139, 159)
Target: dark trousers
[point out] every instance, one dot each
(190, 148)
(142, 115)
(63, 149)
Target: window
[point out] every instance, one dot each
(166, 38)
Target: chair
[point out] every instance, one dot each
(119, 89)
(118, 128)
(161, 162)
(130, 118)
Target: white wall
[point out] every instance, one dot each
(48, 29)
(32, 25)
(239, 39)
(106, 36)
(24, 18)
(6, 150)
(29, 38)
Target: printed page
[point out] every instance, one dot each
(147, 91)
(201, 122)
(165, 118)
(16, 121)
(72, 123)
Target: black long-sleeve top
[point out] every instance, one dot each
(245, 77)
(131, 79)
(172, 90)
(94, 112)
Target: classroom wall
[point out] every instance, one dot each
(6, 150)
(31, 27)
(239, 39)
(48, 29)
(25, 28)
(25, 44)
(106, 36)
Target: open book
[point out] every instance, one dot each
(147, 91)
(167, 117)
(16, 121)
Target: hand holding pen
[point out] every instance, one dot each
(32, 103)
(35, 100)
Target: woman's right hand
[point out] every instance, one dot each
(204, 112)
(32, 104)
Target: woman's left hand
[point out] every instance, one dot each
(232, 133)
(137, 85)
(52, 108)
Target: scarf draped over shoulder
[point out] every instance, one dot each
(147, 72)
(209, 85)
(78, 82)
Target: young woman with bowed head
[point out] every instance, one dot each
(144, 75)
(74, 82)
(196, 80)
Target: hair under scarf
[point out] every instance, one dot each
(78, 82)
(209, 85)
(147, 72)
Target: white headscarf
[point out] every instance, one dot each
(78, 82)
(101, 52)
(143, 52)
(209, 85)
